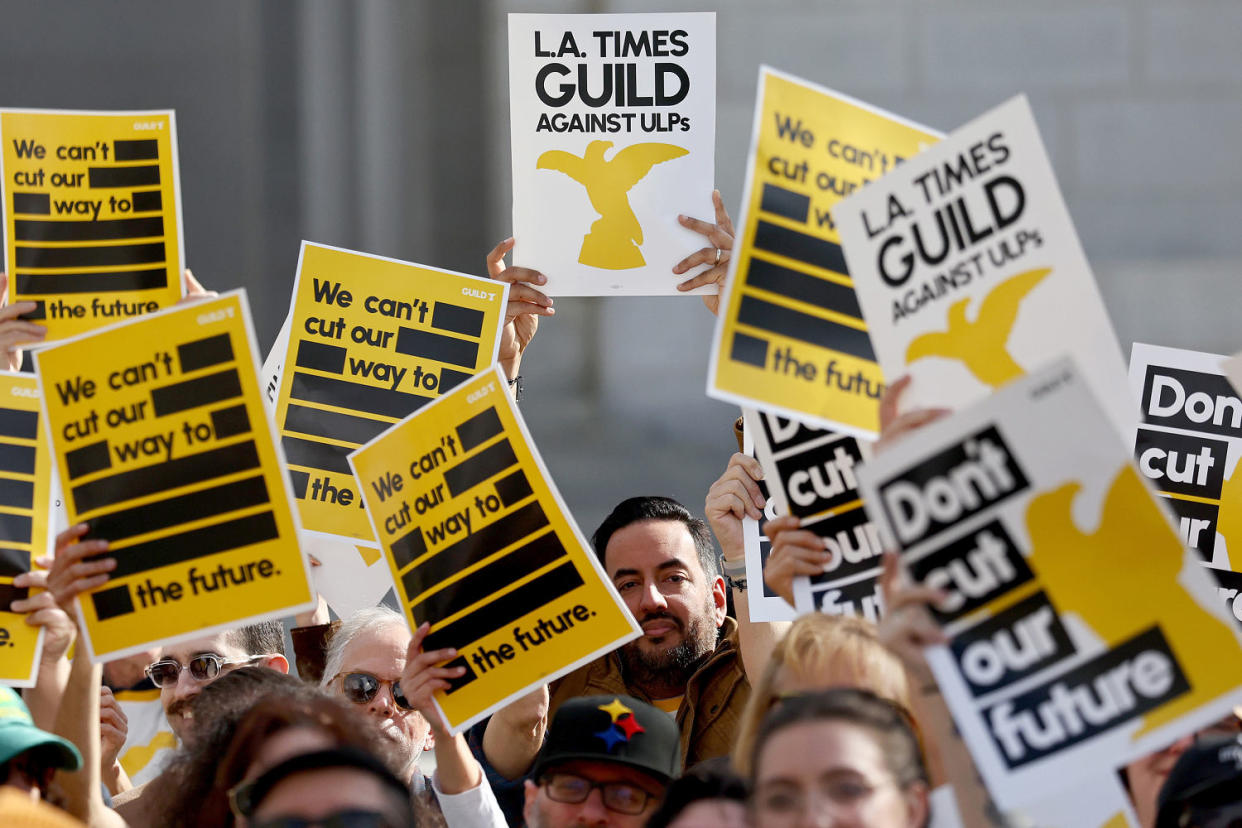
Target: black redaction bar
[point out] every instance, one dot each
(490, 579)
(786, 203)
(17, 459)
(144, 176)
(101, 256)
(804, 287)
(323, 456)
(805, 328)
(782, 241)
(183, 471)
(68, 231)
(197, 543)
(203, 353)
(455, 318)
(479, 429)
(141, 150)
(474, 548)
(197, 392)
(319, 423)
(469, 473)
(40, 284)
(16, 494)
(205, 503)
(21, 424)
(366, 398)
(506, 609)
(428, 345)
(320, 357)
(32, 203)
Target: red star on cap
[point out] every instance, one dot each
(630, 726)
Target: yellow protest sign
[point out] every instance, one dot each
(163, 447)
(370, 341)
(482, 546)
(790, 336)
(92, 204)
(25, 515)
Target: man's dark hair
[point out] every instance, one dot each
(637, 509)
(266, 638)
(709, 780)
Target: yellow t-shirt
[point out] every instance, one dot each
(669, 706)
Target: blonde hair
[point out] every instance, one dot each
(815, 644)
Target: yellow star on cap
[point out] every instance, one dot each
(615, 709)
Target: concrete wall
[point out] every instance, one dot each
(382, 125)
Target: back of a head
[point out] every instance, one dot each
(264, 638)
(217, 710)
(653, 507)
(713, 780)
(820, 652)
(1204, 786)
(884, 720)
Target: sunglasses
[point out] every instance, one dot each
(360, 688)
(205, 667)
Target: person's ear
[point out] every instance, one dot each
(531, 790)
(917, 807)
(720, 599)
(276, 662)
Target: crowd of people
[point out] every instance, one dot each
(706, 719)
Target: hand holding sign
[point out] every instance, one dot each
(526, 305)
(720, 235)
(15, 331)
(70, 573)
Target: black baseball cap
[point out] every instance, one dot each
(619, 729)
(1207, 777)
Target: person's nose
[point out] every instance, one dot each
(382, 703)
(593, 813)
(187, 687)
(652, 599)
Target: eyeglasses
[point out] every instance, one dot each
(360, 688)
(622, 797)
(205, 667)
(339, 819)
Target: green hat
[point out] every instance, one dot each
(617, 729)
(18, 734)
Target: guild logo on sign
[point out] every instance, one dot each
(613, 240)
(623, 728)
(981, 344)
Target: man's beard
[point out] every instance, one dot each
(674, 666)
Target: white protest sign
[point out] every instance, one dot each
(811, 474)
(1081, 632)
(613, 120)
(969, 271)
(765, 605)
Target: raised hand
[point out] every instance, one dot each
(720, 237)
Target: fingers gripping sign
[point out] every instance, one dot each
(526, 305)
(421, 678)
(735, 495)
(15, 331)
(720, 238)
(795, 551)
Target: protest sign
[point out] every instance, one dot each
(613, 120)
(25, 518)
(370, 341)
(92, 204)
(482, 546)
(162, 445)
(1081, 632)
(764, 603)
(969, 271)
(1188, 445)
(350, 576)
(790, 336)
(811, 474)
